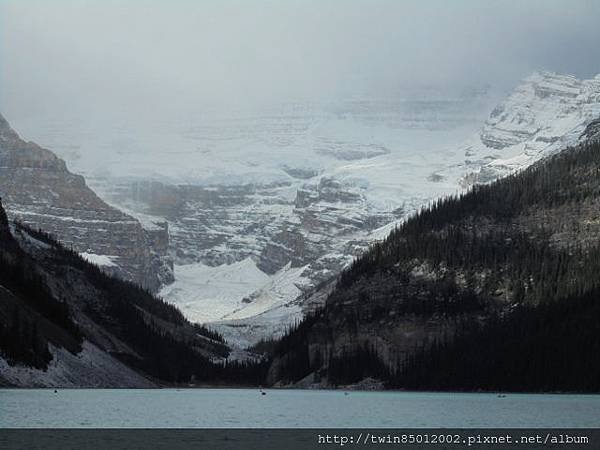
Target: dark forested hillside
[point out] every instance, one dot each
(497, 288)
(52, 298)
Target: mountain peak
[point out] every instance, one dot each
(6, 132)
(546, 108)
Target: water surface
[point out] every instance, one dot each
(179, 408)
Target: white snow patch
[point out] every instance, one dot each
(239, 300)
(205, 293)
(271, 324)
(100, 260)
(283, 287)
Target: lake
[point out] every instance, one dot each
(243, 408)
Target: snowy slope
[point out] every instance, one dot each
(206, 294)
(91, 368)
(545, 113)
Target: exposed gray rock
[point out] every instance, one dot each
(349, 151)
(592, 130)
(300, 173)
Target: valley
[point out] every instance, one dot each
(277, 202)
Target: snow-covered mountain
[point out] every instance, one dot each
(264, 206)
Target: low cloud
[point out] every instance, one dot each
(148, 58)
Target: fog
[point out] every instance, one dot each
(153, 58)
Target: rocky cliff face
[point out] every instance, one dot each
(38, 190)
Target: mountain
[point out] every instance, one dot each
(259, 251)
(65, 322)
(493, 289)
(265, 206)
(276, 200)
(40, 192)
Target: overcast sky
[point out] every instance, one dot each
(147, 57)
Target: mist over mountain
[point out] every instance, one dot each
(223, 54)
